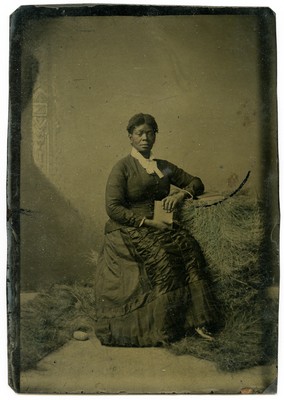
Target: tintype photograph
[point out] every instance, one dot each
(143, 216)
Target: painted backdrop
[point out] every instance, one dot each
(83, 78)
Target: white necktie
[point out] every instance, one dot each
(149, 164)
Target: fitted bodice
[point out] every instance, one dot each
(131, 191)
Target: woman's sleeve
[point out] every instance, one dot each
(116, 198)
(185, 181)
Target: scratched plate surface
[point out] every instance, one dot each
(77, 75)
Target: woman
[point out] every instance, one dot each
(151, 280)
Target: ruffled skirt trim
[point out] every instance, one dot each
(165, 319)
(151, 287)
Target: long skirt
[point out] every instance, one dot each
(151, 287)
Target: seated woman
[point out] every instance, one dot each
(151, 279)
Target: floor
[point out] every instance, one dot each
(88, 367)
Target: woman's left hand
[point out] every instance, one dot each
(169, 203)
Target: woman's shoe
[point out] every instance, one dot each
(204, 333)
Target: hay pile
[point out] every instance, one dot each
(50, 319)
(231, 236)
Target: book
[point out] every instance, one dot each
(161, 215)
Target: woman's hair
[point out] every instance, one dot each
(140, 119)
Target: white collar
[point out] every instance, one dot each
(148, 163)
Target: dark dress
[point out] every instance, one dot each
(151, 286)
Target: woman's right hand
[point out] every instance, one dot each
(162, 226)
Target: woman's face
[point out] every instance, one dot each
(143, 139)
